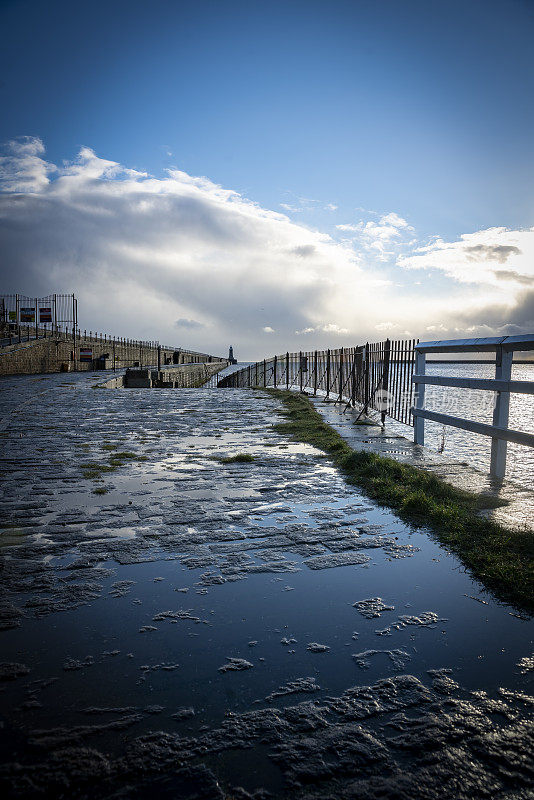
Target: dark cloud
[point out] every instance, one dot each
(486, 252)
(190, 324)
(512, 275)
(304, 250)
(503, 319)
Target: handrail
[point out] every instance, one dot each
(502, 384)
(520, 343)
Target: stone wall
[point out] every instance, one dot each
(185, 376)
(59, 354)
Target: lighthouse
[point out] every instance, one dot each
(231, 358)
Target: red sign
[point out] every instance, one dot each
(45, 314)
(86, 353)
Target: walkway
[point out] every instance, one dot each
(195, 628)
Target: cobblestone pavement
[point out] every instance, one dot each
(176, 624)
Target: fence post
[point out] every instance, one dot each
(287, 371)
(264, 373)
(301, 375)
(315, 373)
(419, 422)
(366, 380)
(274, 372)
(328, 372)
(341, 352)
(249, 373)
(353, 389)
(385, 381)
(503, 372)
(36, 318)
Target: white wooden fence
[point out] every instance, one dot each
(502, 384)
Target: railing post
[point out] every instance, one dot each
(501, 410)
(301, 375)
(341, 357)
(353, 379)
(315, 373)
(274, 372)
(385, 381)
(366, 381)
(287, 371)
(419, 422)
(328, 372)
(264, 373)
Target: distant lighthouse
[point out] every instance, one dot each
(231, 358)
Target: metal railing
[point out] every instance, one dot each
(375, 376)
(502, 385)
(24, 318)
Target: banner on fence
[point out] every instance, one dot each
(27, 314)
(12, 316)
(86, 353)
(45, 314)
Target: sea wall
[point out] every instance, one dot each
(184, 376)
(61, 354)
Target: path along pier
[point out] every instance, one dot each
(195, 605)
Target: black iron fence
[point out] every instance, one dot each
(24, 318)
(375, 376)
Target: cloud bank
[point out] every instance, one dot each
(184, 260)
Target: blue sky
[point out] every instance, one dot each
(422, 110)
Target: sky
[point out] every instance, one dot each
(276, 176)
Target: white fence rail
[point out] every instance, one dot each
(503, 385)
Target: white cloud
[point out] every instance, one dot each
(394, 220)
(330, 207)
(329, 327)
(494, 256)
(378, 238)
(24, 169)
(181, 259)
(349, 227)
(176, 257)
(290, 208)
(386, 326)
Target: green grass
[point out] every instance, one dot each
(240, 458)
(92, 470)
(100, 490)
(502, 558)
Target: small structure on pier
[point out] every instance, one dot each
(231, 359)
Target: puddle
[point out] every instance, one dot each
(275, 570)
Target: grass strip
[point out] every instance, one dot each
(502, 558)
